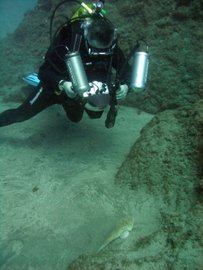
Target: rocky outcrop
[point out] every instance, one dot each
(170, 141)
(22, 52)
(172, 30)
(165, 165)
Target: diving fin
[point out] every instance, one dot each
(32, 79)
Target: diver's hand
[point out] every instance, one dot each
(67, 87)
(122, 91)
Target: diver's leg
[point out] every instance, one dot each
(37, 101)
(94, 115)
(73, 109)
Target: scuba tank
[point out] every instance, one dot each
(77, 73)
(73, 60)
(139, 69)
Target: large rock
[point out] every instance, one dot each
(163, 168)
(166, 151)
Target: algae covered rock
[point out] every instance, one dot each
(163, 169)
(167, 149)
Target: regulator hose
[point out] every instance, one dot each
(53, 14)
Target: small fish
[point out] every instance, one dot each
(122, 231)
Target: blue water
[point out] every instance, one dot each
(11, 14)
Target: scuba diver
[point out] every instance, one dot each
(77, 71)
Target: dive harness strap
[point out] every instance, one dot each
(112, 113)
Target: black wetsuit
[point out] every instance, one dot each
(53, 70)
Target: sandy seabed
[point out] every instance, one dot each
(58, 197)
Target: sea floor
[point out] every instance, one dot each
(57, 193)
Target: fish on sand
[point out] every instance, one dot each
(122, 231)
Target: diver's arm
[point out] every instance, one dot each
(49, 78)
(67, 87)
(51, 73)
